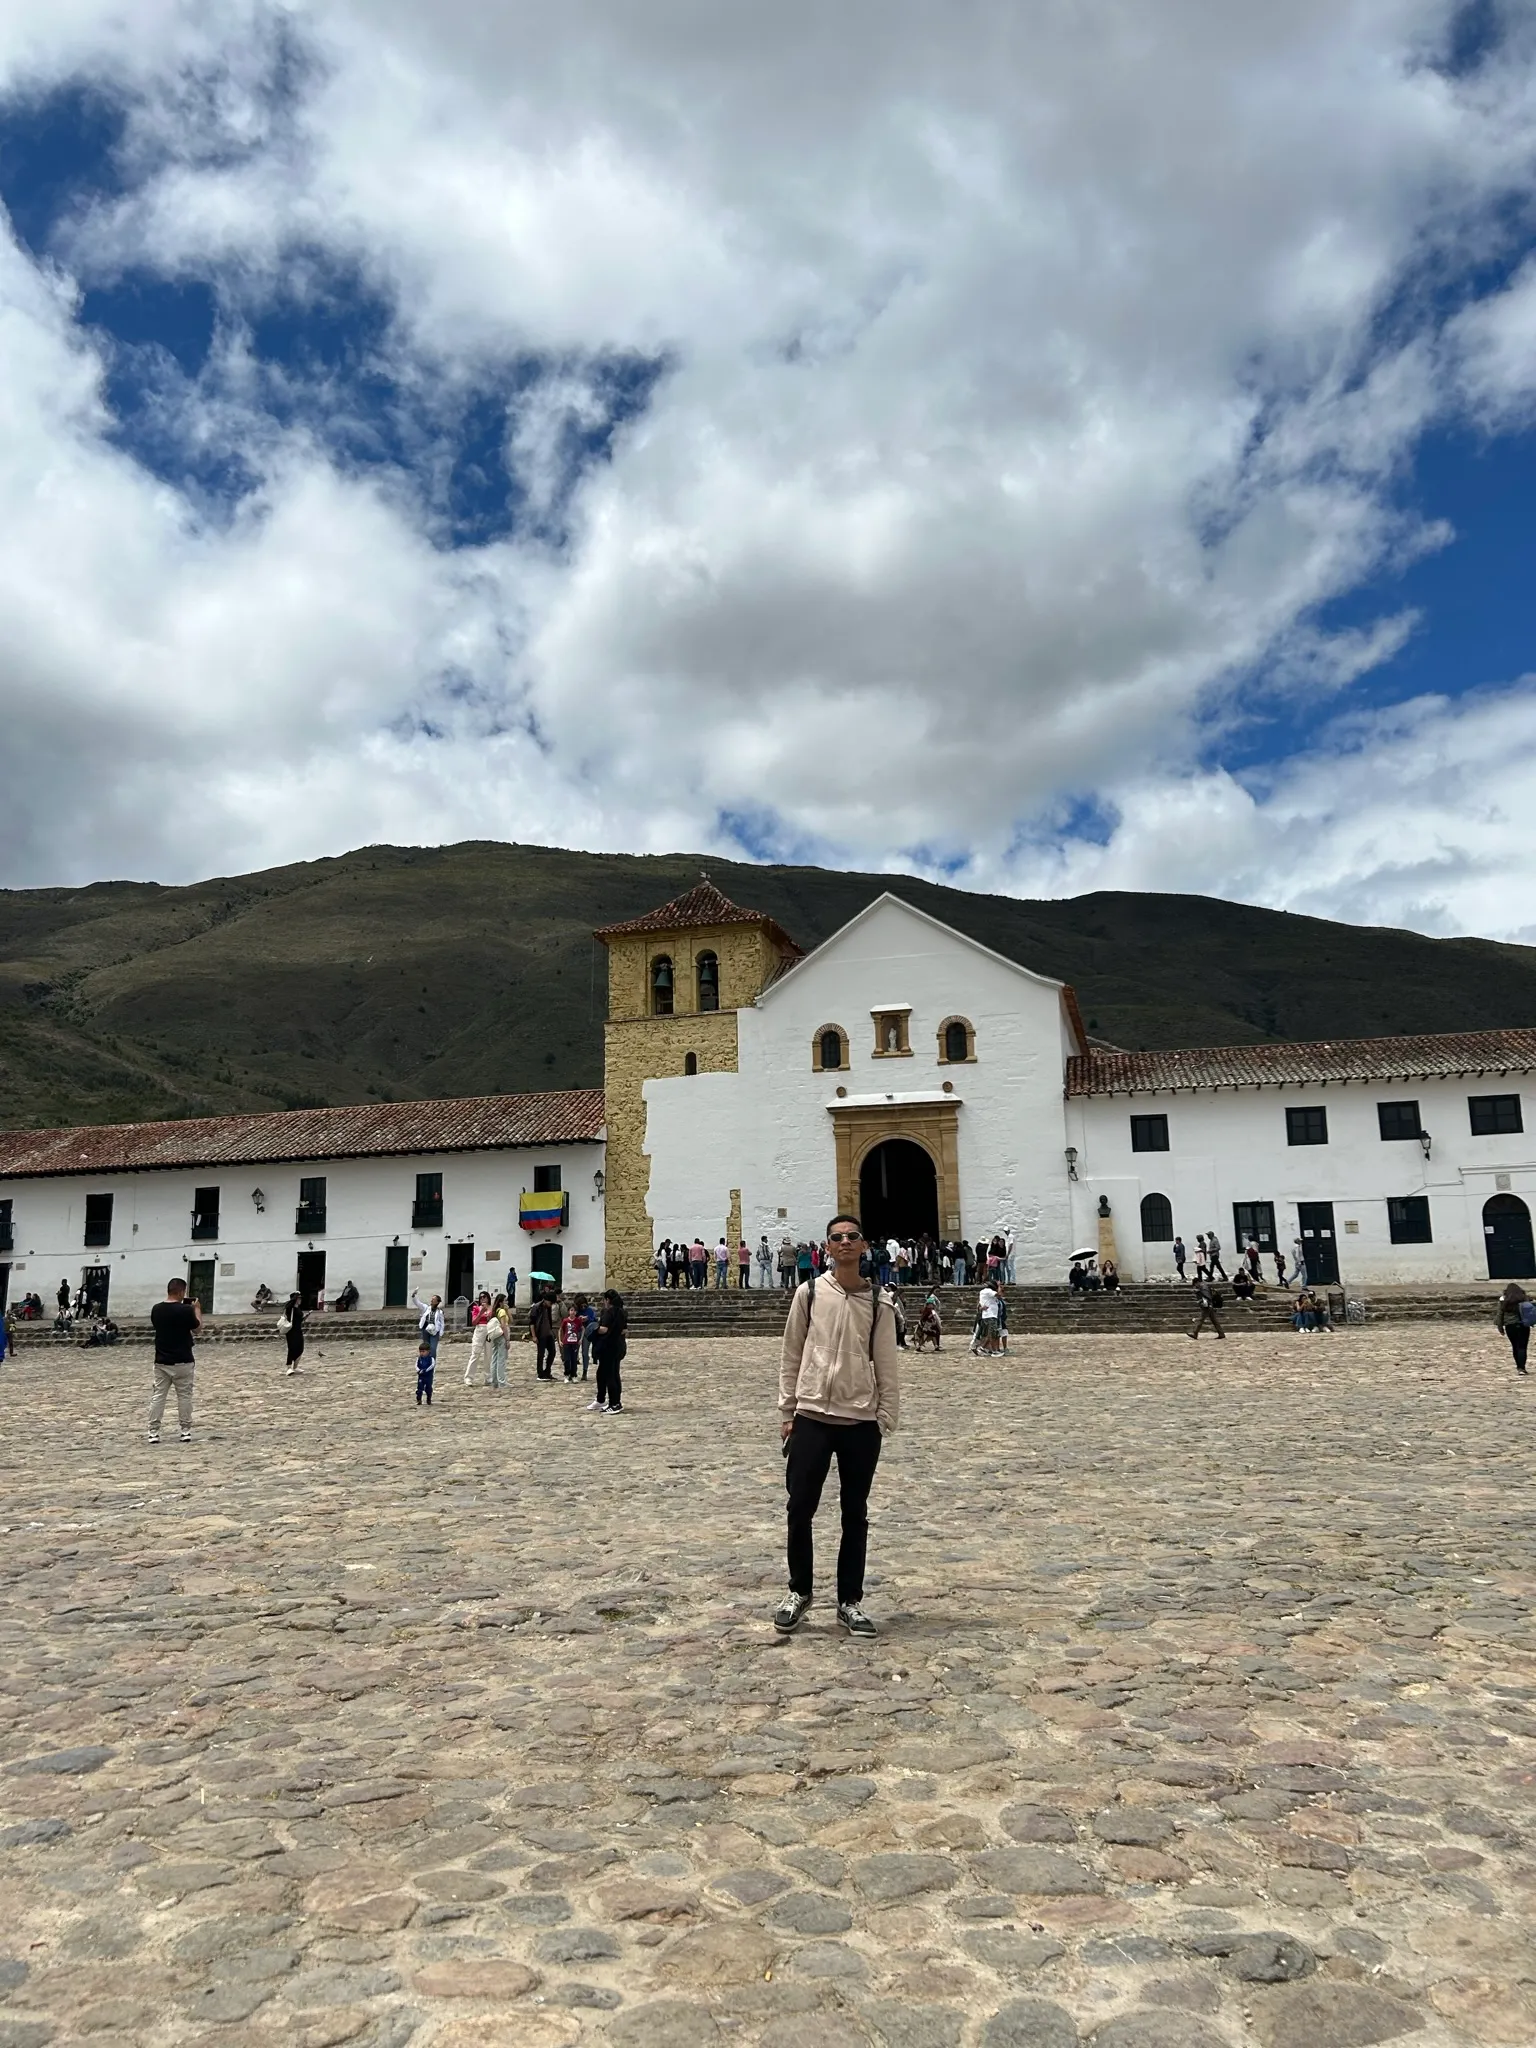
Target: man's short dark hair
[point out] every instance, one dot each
(176, 1285)
(844, 1217)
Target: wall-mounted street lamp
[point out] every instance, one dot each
(260, 1200)
(1425, 1141)
(598, 1181)
(1071, 1162)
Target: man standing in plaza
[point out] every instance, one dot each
(838, 1398)
(176, 1322)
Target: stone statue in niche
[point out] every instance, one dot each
(891, 1037)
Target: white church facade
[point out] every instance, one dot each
(901, 1070)
(907, 1072)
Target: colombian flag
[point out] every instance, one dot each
(542, 1212)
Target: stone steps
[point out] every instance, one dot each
(743, 1312)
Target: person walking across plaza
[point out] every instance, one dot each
(1179, 1256)
(1213, 1255)
(609, 1348)
(1514, 1305)
(838, 1398)
(176, 1321)
(1207, 1302)
(291, 1323)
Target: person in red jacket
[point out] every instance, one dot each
(571, 1326)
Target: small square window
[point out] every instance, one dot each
(1149, 1133)
(1408, 1219)
(1306, 1127)
(1399, 1119)
(1494, 1116)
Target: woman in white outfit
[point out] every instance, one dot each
(479, 1337)
(500, 1327)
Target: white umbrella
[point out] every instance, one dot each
(1089, 1251)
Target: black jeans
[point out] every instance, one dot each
(610, 1386)
(1519, 1336)
(812, 1447)
(544, 1362)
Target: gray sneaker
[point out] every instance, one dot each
(855, 1620)
(791, 1611)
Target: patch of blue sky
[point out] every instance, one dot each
(142, 310)
(932, 859)
(1475, 599)
(59, 151)
(205, 374)
(762, 835)
(1475, 31)
(1080, 817)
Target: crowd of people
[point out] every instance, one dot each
(580, 1332)
(79, 1315)
(918, 1261)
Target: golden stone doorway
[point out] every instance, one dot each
(860, 1128)
(899, 1191)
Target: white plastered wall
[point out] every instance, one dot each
(1229, 1145)
(368, 1207)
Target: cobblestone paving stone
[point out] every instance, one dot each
(1204, 1714)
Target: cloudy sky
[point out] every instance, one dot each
(1058, 446)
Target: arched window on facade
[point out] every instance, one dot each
(690, 1063)
(709, 981)
(829, 1049)
(957, 1042)
(661, 986)
(1156, 1219)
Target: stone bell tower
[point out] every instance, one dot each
(676, 979)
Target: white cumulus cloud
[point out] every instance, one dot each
(1026, 382)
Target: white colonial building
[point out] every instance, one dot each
(901, 1070)
(906, 1072)
(393, 1197)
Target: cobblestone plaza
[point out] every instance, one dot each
(1203, 1715)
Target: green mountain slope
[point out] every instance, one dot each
(403, 972)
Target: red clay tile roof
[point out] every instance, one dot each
(703, 904)
(356, 1131)
(1423, 1057)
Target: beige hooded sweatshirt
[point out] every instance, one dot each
(828, 1367)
